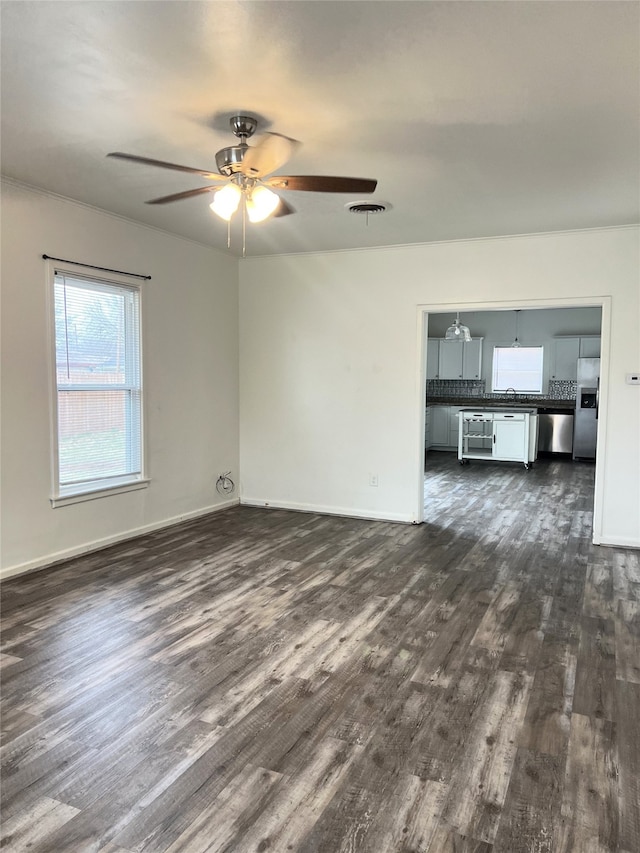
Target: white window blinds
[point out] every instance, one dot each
(518, 369)
(98, 378)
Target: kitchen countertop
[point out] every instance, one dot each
(492, 409)
(503, 403)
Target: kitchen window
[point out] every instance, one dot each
(97, 405)
(517, 369)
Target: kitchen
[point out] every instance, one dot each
(511, 391)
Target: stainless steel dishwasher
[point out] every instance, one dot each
(555, 431)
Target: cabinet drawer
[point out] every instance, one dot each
(478, 416)
(509, 416)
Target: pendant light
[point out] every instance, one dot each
(456, 331)
(516, 342)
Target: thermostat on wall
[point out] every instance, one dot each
(633, 378)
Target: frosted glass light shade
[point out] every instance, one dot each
(261, 203)
(226, 200)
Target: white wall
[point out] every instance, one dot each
(330, 378)
(536, 327)
(190, 329)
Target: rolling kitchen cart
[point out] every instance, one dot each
(503, 435)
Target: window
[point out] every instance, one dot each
(518, 369)
(98, 400)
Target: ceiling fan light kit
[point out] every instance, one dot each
(226, 200)
(261, 203)
(245, 171)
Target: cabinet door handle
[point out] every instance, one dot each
(494, 438)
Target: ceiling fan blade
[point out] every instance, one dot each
(283, 209)
(269, 154)
(321, 184)
(164, 165)
(165, 199)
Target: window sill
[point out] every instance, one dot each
(93, 493)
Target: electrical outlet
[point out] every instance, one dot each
(373, 479)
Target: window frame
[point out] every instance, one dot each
(527, 391)
(64, 495)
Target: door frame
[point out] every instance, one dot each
(602, 302)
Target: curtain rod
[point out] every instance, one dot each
(93, 267)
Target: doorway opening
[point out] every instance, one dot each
(463, 375)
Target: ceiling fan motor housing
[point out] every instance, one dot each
(229, 160)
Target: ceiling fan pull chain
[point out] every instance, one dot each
(229, 233)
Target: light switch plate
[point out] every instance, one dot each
(633, 378)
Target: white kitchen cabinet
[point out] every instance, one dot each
(453, 426)
(564, 359)
(450, 360)
(454, 359)
(443, 427)
(433, 358)
(509, 440)
(472, 359)
(590, 346)
(566, 352)
(439, 427)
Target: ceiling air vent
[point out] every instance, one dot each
(368, 207)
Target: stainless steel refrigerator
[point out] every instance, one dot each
(585, 422)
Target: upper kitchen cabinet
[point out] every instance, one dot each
(590, 346)
(433, 357)
(565, 353)
(450, 360)
(459, 359)
(472, 359)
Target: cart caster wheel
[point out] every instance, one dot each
(528, 465)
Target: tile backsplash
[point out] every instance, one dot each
(562, 389)
(456, 388)
(559, 389)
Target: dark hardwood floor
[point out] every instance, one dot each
(262, 680)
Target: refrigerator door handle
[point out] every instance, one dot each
(597, 396)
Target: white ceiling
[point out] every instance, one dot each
(477, 118)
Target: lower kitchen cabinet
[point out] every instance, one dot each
(510, 440)
(439, 427)
(427, 428)
(443, 427)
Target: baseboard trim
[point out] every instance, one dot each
(99, 544)
(348, 512)
(623, 542)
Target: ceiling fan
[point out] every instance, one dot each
(245, 172)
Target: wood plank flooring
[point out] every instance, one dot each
(262, 680)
